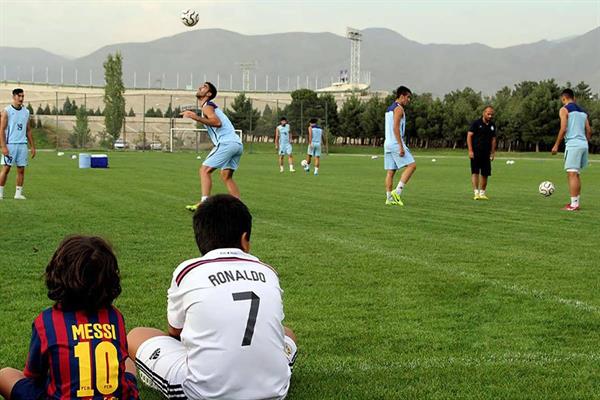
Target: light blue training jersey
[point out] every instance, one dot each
(390, 139)
(16, 129)
(575, 136)
(317, 134)
(284, 134)
(226, 132)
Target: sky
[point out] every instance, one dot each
(75, 28)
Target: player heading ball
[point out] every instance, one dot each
(226, 338)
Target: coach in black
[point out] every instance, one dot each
(481, 140)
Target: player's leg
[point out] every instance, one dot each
(3, 176)
(291, 346)
(232, 187)
(20, 181)
(475, 184)
(317, 164)
(308, 160)
(574, 182)
(160, 360)
(575, 160)
(486, 172)
(206, 180)
(15, 386)
(281, 161)
(389, 183)
(290, 158)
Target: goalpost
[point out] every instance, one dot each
(191, 139)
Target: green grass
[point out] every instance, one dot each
(444, 298)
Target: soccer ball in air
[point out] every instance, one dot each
(190, 17)
(546, 188)
(303, 163)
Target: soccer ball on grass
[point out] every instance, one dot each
(546, 188)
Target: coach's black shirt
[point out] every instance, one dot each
(482, 136)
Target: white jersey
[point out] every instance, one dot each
(230, 309)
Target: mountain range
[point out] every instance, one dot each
(390, 58)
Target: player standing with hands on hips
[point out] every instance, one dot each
(15, 135)
(575, 129)
(397, 155)
(481, 141)
(228, 145)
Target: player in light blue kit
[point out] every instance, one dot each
(283, 143)
(575, 129)
(228, 145)
(15, 135)
(397, 155)
(315, 138)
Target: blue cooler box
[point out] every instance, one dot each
(99, 161)
(85, 160)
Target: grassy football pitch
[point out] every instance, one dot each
(443, 298)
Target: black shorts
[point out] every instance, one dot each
(28, 389)
(481, 165)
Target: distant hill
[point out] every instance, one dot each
(391, 58)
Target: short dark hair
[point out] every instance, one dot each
(282, 119)
(17, 91)
(402, 91)
(488, 106)
(83, 274)
(313, 121)
(568, 93)
(219, 223)
(213, 90)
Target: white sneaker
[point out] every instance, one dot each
(20, 197)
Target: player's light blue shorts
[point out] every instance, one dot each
(314, 150)
(17, 155)
(225, 156)
(285, 149)
(393, 161)
(576, 158)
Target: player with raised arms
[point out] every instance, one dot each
(78, 347)
(226, 338)
(575, 129)
(15, 135)
(227, 149)
(315, 138)
(283, 143)
(396, 153)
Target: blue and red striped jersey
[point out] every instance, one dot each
(80, 355)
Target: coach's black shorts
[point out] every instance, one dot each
(481, 164)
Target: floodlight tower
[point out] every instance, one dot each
(355, 37)
(246, 67)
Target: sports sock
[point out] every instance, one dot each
(575, 201)
(281, 168)
(476, 192)
(399, 188)
(316, 170)
(291, 167)
(203, 199)
(389, 195)
(1, 191)
(482, 192)
(19, 191)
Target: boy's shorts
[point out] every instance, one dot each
(393, 161)
(285, 149)
(576, 158)
(314, 150)
(17, 155)
(225, 156)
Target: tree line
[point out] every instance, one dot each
(526, 116)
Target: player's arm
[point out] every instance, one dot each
(564, 117)
(174, 332)
(494, 144)
(588, 130)
(210, 117)
(398, 114)
(276, 138)
(36, 366)
(470, 144)
(310, 136)
(3, 123)
(30, 139)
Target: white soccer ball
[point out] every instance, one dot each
(433, 160)
(546, 188)
(374, 157)
(73, 157)
(303, 163)
(60, 154)
(190, 17)
(198, 157)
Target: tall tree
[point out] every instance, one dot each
(350, 113)
(81, 133)
(242, 114)
(114, 101)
